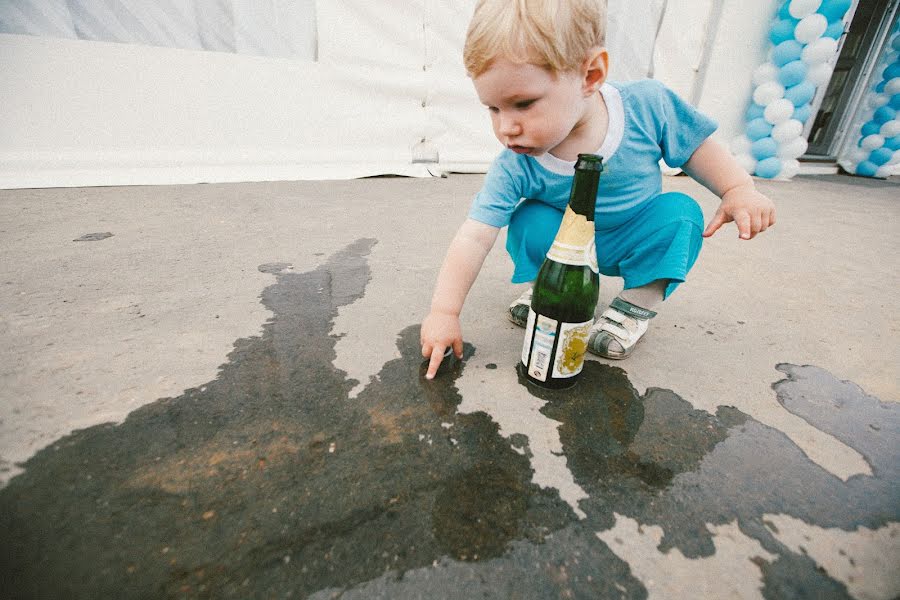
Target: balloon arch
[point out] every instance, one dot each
(804, 37)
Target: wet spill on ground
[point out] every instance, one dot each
(270, 482)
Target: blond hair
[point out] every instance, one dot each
(553, 34)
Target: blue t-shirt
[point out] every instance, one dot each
(647, 122)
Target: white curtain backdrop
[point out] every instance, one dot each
(103, 92)
(284, 28)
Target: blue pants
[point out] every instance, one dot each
(659, 239)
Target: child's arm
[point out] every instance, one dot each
(713, 166)
(440, 329)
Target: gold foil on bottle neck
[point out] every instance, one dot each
(575, 229)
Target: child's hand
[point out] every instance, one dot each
(440, 331)
(752, 212)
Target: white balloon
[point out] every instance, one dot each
(895, 159)
(787, 131)
(768, 92)
(890, 129)
(877, 101)
(819, 51)
(857, 155)
(765, 72)
(810, 28)
(741, 145)
(890, 58)
(850, 167)
(884, 172)
(892, 87)
(779, 111)
(819, 74)
(872, 142)
(803, 8)
(789, 168)
(747, 162)
(793, 149)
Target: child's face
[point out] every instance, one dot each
(533, 110)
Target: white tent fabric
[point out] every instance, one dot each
(365, 87)
(288, 28)
(284, 28)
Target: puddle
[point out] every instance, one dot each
(270, 482)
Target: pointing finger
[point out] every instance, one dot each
(437, 355)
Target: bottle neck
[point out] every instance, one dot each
(583, 199)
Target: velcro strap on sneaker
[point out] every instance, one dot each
(635, 312)
(614, 315)
(615, 330)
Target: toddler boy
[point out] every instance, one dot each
(540, 67)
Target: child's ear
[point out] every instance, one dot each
(595, 69)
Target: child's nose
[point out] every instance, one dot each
(509, 125)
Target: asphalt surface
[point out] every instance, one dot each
(217, 391)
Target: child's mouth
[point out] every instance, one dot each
(520, 149)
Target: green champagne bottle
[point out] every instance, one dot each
(566, 289)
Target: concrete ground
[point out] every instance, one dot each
(215, 390)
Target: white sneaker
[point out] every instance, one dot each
(518, 310)
(619, 329)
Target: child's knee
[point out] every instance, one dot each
(532, 227)
(675, 206)
(535, 223)
(534, 214)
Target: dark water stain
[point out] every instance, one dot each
(270, 481)
(93, 237)
(665, 463)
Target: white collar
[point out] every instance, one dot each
(614, 133)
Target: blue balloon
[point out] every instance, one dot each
(755, 112)
(803, 113)
(895, 102)
(891, 71)
(782, 31)
(880, 87)
(866, 168)
(892, 143)
(758, 129)
(792, 73)
(884, 114)
(801, 93)
(786, 52)
(881, 155)
(834, 9)
(835, 30)
(870, 128)
(764, 148)
(768, 168)
(784, 12)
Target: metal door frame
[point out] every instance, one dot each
(851, 98)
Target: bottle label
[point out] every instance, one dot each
(573, 338)
(537, 352)
(544, 335)
(574, 243)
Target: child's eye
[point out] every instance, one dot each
(523, 104)
(493, 109)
